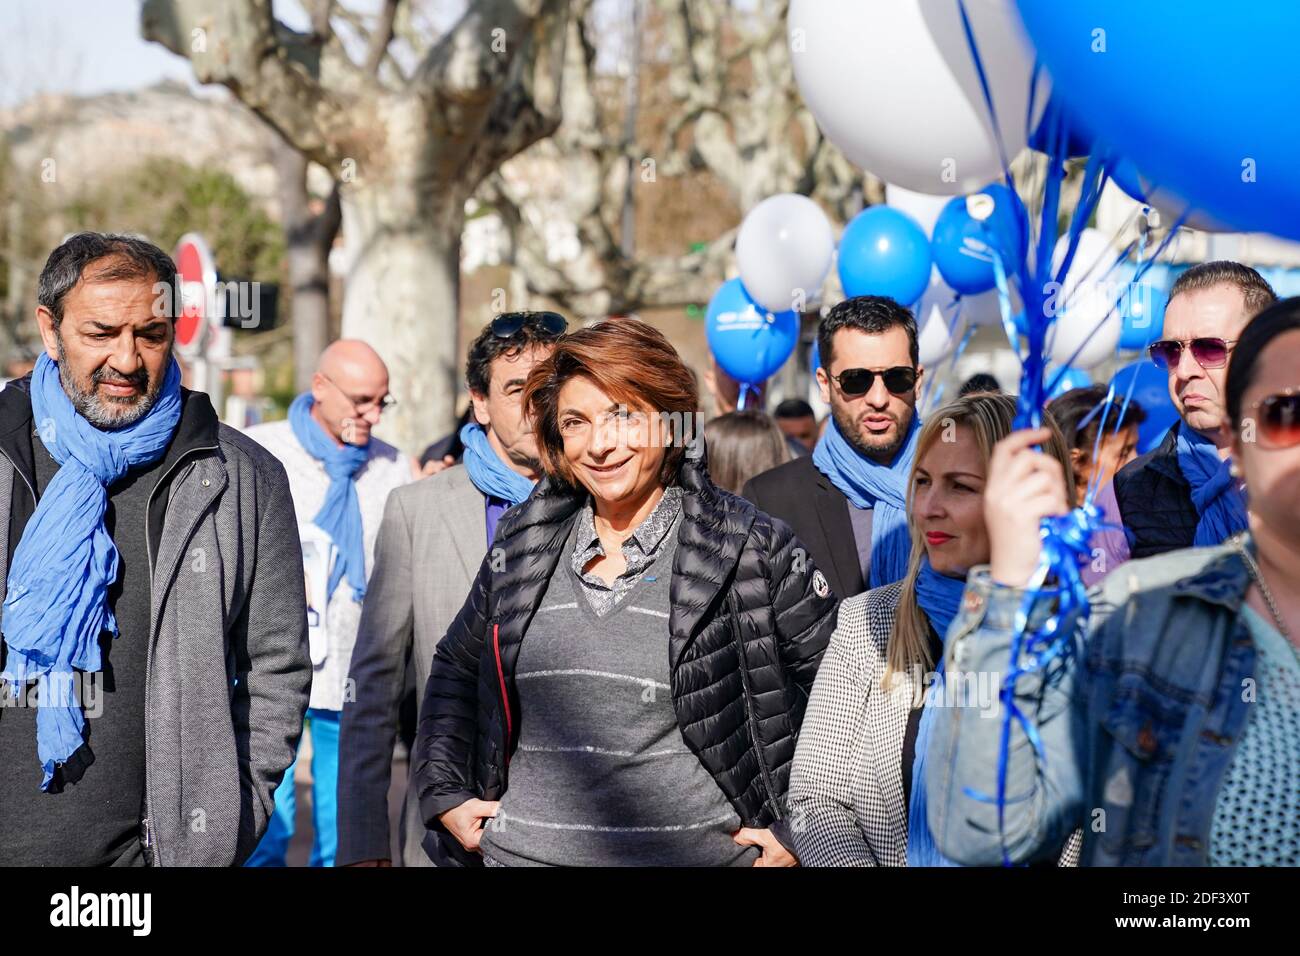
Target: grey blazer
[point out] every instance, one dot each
(846, 785)
(430, 545)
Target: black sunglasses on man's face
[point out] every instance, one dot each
(900, 380)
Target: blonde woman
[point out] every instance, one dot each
(852, 797)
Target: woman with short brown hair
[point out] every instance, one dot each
(627, 678)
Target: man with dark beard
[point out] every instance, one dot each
(847, 501)
(154, 665)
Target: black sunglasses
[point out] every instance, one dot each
(900, 380)
(549, 324)
(1208, 352)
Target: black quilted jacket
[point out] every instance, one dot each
(1155, 501)
(746, 633)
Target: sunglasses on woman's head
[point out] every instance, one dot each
(1208, 352)
(899, 380)
(1277, 420)
(550, 324)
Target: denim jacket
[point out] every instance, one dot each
(1136, 729)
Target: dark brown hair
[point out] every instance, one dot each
(1078, 412)
(872, 314)
(488, 347)
(633, 363)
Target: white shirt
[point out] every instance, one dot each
(385, 469)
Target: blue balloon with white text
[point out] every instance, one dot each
(748, 342)
(963, 246)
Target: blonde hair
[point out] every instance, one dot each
(989, 416)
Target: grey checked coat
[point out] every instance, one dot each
(846, 786)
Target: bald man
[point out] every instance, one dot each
(339, 477)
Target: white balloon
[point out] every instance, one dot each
(784, 249)
(938, 331)
(894, 86)
(923, 207)
(985, 308)
(1088, 325)
(936, 339)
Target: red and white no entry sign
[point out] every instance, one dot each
(197, 279)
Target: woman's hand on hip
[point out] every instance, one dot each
(465, 822)
(774, 853)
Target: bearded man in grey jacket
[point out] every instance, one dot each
(155, 667)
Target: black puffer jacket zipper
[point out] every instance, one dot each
(748, 696)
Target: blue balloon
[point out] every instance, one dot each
(1215, 136)
(1078, 141)
(748, 342)
(961, 243)
(1151, 391)
(815, 356)
(1142, 308)
(884, 252)
(1126, 176)
(1071, 378)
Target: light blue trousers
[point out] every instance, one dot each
(323, 725)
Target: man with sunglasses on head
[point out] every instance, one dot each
(847, 501)
(431, 544)
(1183, 492)
(339, 477)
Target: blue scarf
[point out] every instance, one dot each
(940, 599)
(1215, 493)
(340, 515)
(56, 604)
(882, 488)
(488, 472)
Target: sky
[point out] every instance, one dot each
(84, 47)
(77, 46)
(93, 46)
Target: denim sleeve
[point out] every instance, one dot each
(1044, 790)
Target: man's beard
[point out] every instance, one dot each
(877, 448)
(103, 413)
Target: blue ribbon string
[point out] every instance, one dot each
(1040, 641)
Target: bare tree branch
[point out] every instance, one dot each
(319, 11)
(408, 153)
(381, 37)
(732, 110)
(528, 106)
(293, 82)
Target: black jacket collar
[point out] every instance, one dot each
(197, 428)
(1164, 457)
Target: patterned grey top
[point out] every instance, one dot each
(640, 550)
